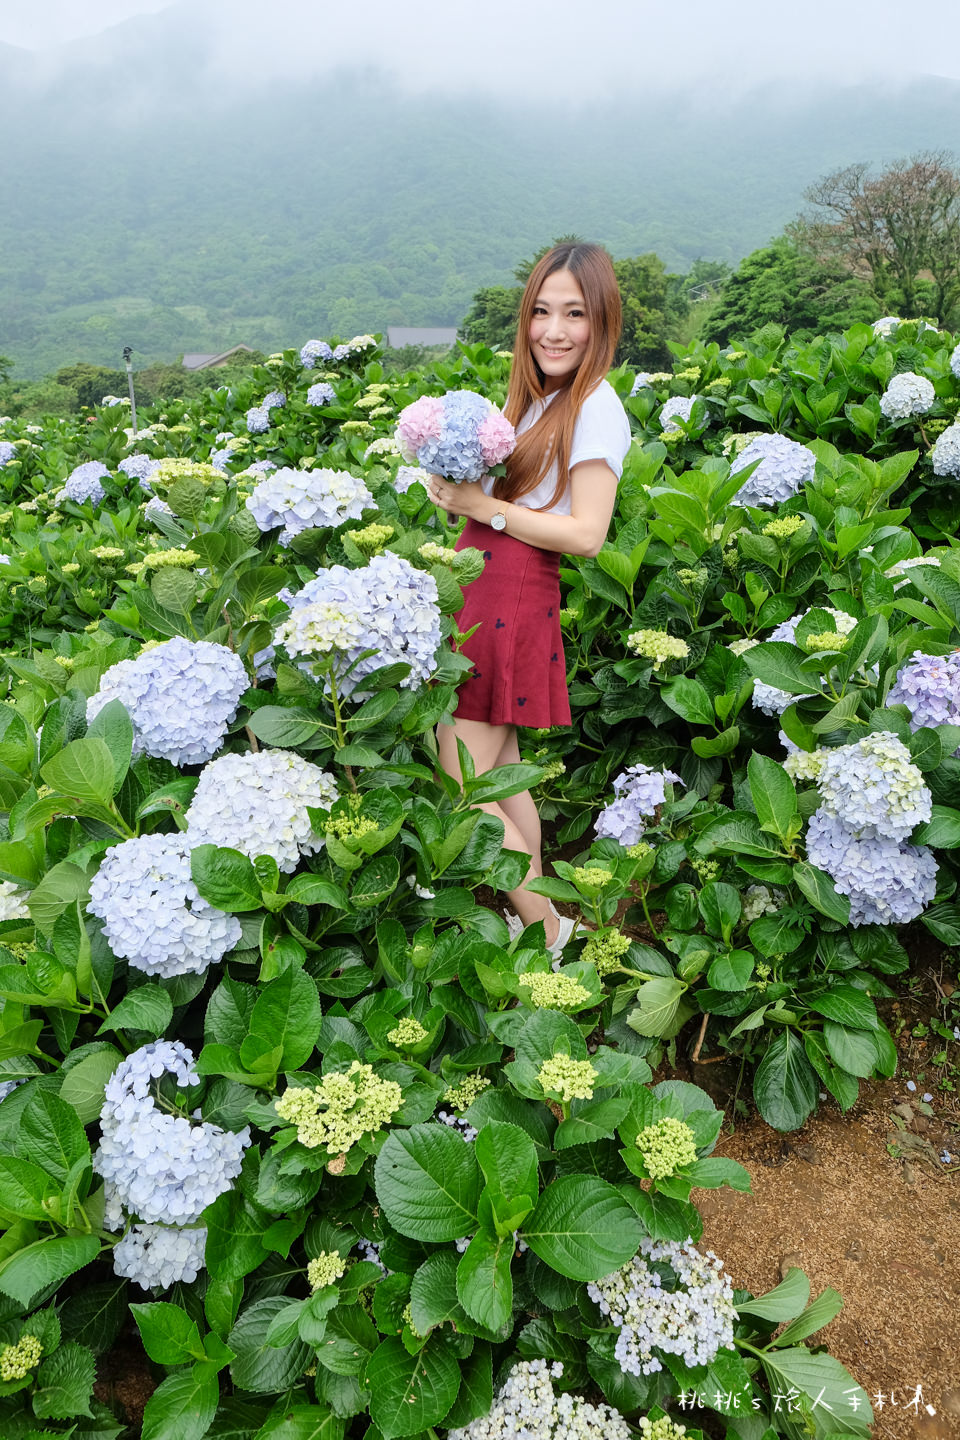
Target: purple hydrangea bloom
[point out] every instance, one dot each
(886, 883)
(7, 452)
(785, 467)
(874, 788)
(83, 484)
(638, 791)
(322, 393)
(929, 686)
(313, 351)
(181, 695)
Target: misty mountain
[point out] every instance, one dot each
(148, 197)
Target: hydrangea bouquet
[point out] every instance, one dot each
(459, 435)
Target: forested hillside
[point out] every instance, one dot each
(142, 207)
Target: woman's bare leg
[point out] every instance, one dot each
(486, 744)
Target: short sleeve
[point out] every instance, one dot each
(602, 431)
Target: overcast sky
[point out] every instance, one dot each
(543, 49)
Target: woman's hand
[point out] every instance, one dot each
(466, 498)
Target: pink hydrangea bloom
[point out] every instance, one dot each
(420, 421)
(497, 438)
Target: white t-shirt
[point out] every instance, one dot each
(601, 432)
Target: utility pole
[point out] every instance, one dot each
(128, 361)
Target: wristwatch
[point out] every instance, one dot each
(498, 521)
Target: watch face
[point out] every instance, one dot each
(498, 521)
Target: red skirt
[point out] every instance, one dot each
(519, 672)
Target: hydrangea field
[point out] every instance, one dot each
(279, 1092)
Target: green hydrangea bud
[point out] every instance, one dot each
(662, 1429)
(826, 640)
(805, 764)
(605, 949)
(570, 1079)
(372, 538)
(657, 645)
(16, 1361)
(345, 827)
(170, 559)
(407, 1032)
(462, 1095)
(345, 1106)
(555, 992)
(667, 1146)
(592, 877)
(436, 554)
(325, 1269)
(640, 851)
(783, 528)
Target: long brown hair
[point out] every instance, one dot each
(551, 436)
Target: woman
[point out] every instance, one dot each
(556, 498)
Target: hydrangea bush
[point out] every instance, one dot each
(333, 1137)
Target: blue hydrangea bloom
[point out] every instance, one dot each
(767, 697)
(165, 1169)
(219, 459)
(139, 467)
(785, 467)
(929, 686)
(258, 419)
(158, 1256)
(261, 467)
(458, 454)
(313, 351)
(7, 452)
(388, 607)
(155, 507)
(874, 788)
(181, 696)
(152, 912)
(257, 803)
(887, 883)
(638, 791)
(322, 393)
(83, 484)
(274, 401)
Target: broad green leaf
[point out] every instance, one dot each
(783, 1303)
(475, 1396)
(658, 1001)
(148, 1008)
(257, 1365)
(428, 1183)
(689, 699)
(182, 1408)
(847, 1005)
(410, 1393)
(583, 1228)
(287, 1014)
(302, 1422)
(779, 664)
(785, 1084)
(828, 1304)
(484, 1281)
(169, 1335)
(84, 770)
(508, 1158)
(433, 1292)
(52, 1136)
(821, 892)
(114, 727)
(853, 1050)
(45, 1262)
(774, 795)
(225, 878)
(942, 830)
(842, 1407)
(64, 1384)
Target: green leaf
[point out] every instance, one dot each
(508, 1158)
(820, 1313)
(45, 1262)
(428, 1183)
(84, 770)
(943, 921)
(182, 1408)
(95, 1315)
(302, 1422)
(52, 1136)
(410, 1393)
(715, 1170)
(779, 664)
(785, 1084)
(583, 1228)
(484, 1281)
(784, 1303)
(847, 1005)
(820, 891)
(475, 1396)
(169, 1335)
(658, 1001)
(147, 1008)
(287, 1014)
(64, 1385)
(282, 726)
(825, 1381)
(731, 971)
(225, 878)
(24, 1188)
(113, 725)
(63, 885)
(257, 1365)
(688, 699)
(774, 796)
(942, 830)
(853, 1050)
(433, 1292)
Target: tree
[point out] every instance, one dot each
(6, 365)
(779, 284)
(897, 229)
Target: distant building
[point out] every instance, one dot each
(213, 362)
(432, 337)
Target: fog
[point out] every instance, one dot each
(549, 52)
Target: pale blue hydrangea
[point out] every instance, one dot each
(7, 1087)
(785, 467)
(526, 1407)
(874, 788)
(458, 454)
(139, 467)
(907, 394)
(257, 803)
(677, 407)
(885, 325)
(767, 697)
(946, 452)
(462, 1127)
(152, 912)
(158, 1256)
(7, 452)
(322, 393)
(83, 484)
(929, 686)
(313, 351)
(691, 1315)
(220, 459)
(275, 400)
(258, 419)
(181, 695)
(638, 791)
(261, 467)
(307, 499)
(886, 883)
(641, 382)
(955, 361)
(408, 475)
(160, 1167)
(156, 507)
(388, 607)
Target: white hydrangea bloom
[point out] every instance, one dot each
(13, 903)
(955, 361)
(677, 405)
(907, 394)
(527, 1408)
(155, 1256)
(306, 499)
(785, 467)
(257, 803)
(946, 451)
(885, 325)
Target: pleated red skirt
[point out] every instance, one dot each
(519, 673)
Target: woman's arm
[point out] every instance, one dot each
(593, 494)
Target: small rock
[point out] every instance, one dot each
(855, 1250)
(791, 1260)
(807, 1152)
(905, 1112)
(909, 1173)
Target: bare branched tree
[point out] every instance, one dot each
(896, 229)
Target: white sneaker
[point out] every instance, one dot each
(514, 923)
(564, 935)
